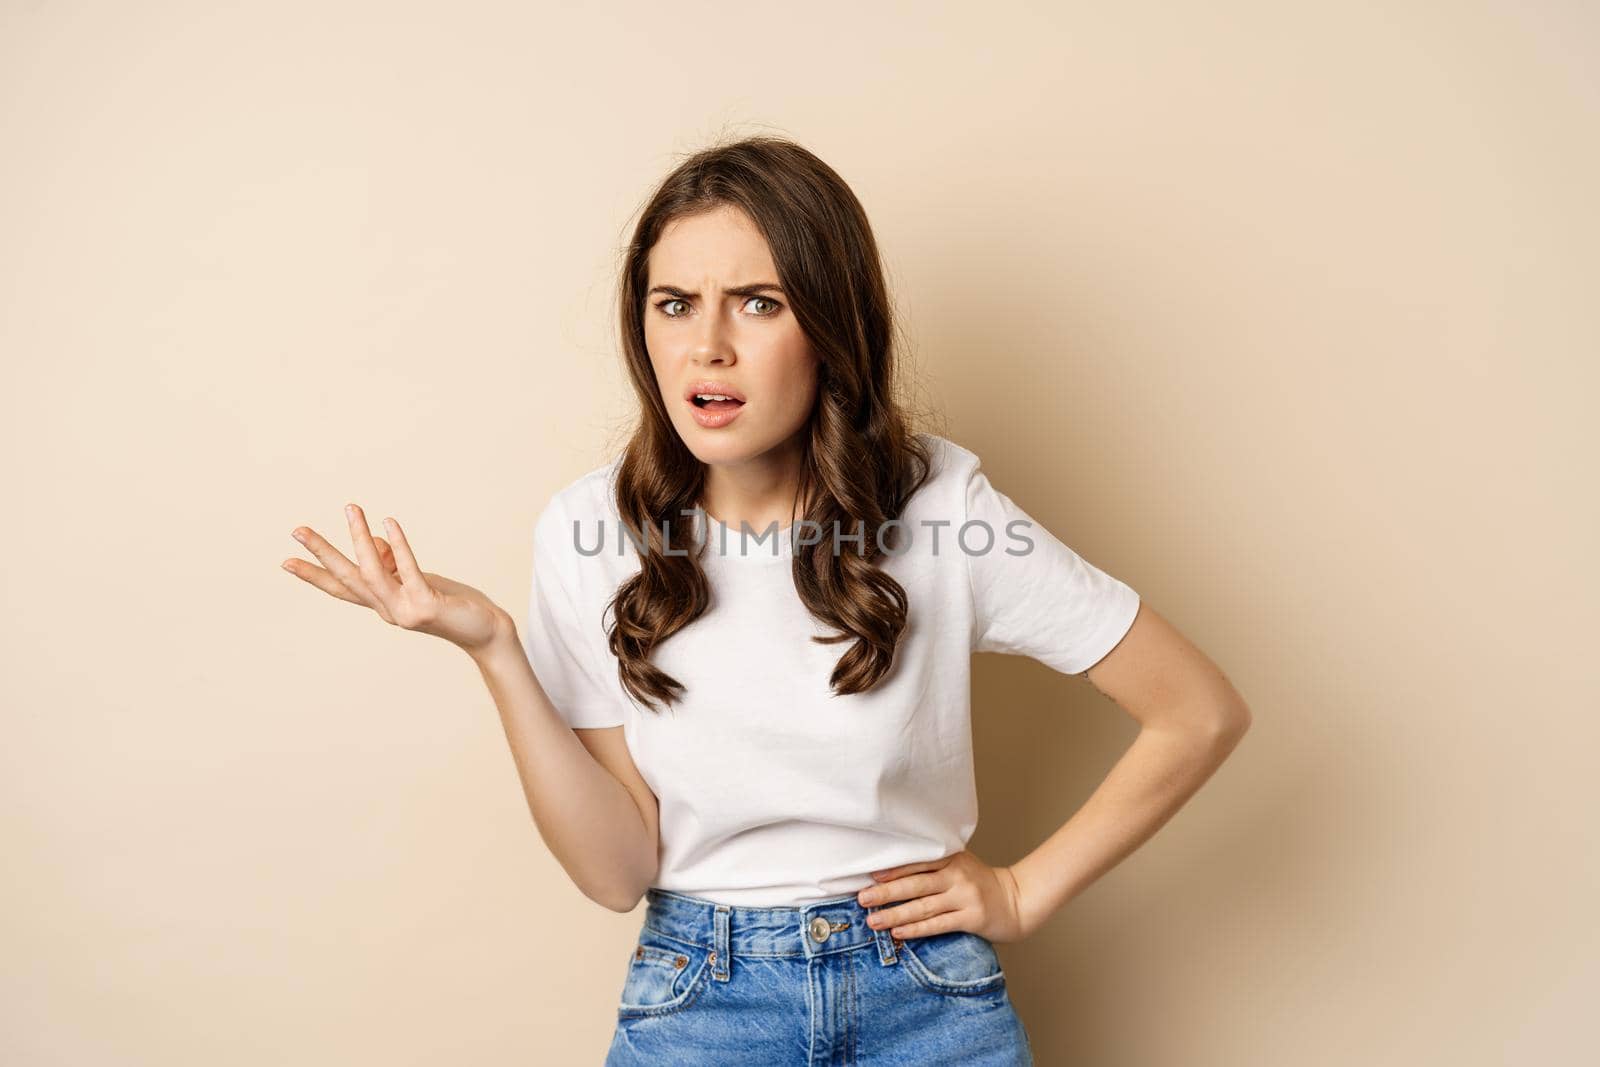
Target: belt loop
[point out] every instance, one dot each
(887, 945)
(720, 951)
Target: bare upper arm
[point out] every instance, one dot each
(1160, 678)
(610, 749)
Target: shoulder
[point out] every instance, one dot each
(951, 467)
(586, 499)
(946, 452)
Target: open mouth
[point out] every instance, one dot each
(715, 402)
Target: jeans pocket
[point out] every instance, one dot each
(663, 976)
(957, 962)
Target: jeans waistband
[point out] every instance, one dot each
(821, 927)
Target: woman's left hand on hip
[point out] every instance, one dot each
(958, 892)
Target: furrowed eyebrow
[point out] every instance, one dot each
(737, 290)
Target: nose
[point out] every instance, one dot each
(710, 343)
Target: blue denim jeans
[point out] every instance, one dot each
(810, 985)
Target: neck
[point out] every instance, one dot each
(760, 490)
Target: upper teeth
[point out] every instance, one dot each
(712, 396)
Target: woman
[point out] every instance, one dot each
(742, 693)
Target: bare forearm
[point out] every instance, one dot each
(1155, 777)
(586, 817)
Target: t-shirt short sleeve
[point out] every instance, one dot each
(559, 651)
(1033, 595)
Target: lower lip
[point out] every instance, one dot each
(712, 420)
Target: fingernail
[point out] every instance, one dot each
(299, 535)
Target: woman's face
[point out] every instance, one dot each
(716, 321)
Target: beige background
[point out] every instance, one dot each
(1282, 313)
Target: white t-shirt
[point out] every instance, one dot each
(773, 790)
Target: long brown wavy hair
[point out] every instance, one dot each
(861, 459)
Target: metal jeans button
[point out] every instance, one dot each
(820, 929)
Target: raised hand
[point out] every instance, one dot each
(386, 579)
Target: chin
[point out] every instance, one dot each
(724, 447)
(721, 452)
